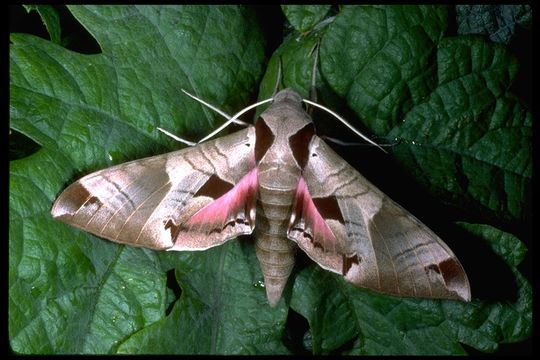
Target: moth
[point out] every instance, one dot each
(282, 183)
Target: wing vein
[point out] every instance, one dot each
(120, 190)
(137, 208)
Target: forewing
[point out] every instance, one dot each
(162, 202)
(374, 242)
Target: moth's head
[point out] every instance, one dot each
(286, 114)
(284, 124)
(288, 95)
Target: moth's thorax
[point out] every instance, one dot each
(286, 115)
(280, 140)
(276, 147)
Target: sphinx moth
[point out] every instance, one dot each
(282, 183)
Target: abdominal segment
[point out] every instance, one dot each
(275, 252)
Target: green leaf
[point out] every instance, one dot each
(305, 17)
(296, 58)
(504, 244)
(508, 322)
(499, 22)
(380, 58)
(216, 314)
(50, 19)
(446, 100)
(72, 292)
(338, 312)
(482, 134)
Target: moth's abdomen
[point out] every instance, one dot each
(276, 257)
(274, 251)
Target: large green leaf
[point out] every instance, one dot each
(413, 326)
(221, 313)
(87, 112)
(482, 134)
(463, 136)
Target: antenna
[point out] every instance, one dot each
(345, 123)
